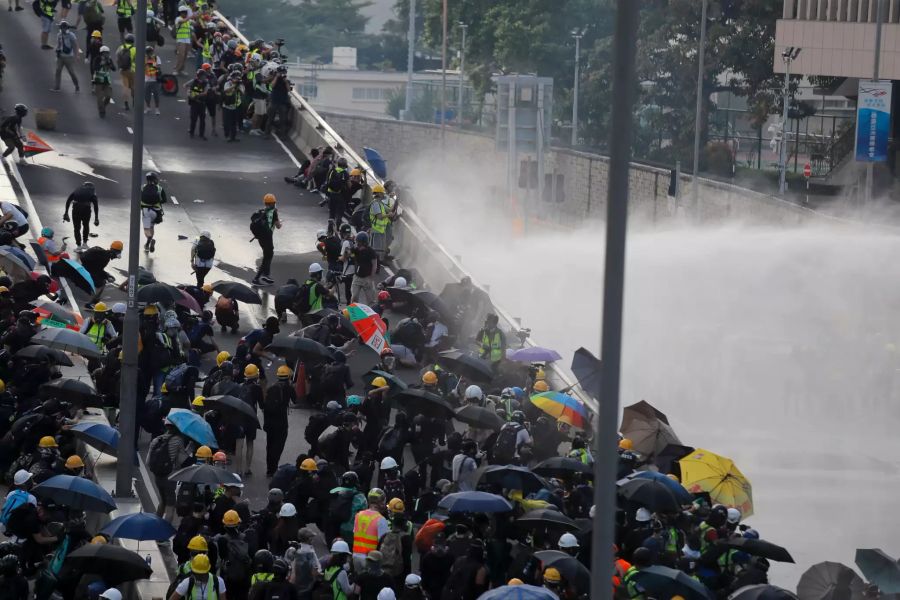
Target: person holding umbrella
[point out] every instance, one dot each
(95, 260)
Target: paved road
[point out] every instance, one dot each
(217, 186)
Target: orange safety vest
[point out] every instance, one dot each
(50, 257)
(365, 531)
(151, 69)
(620, 568)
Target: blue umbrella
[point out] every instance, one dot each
(378, 164)
(680, 492)
(519, 592)
(98, 435)
(480, 502)
(193, 426)
(533, 354)
(66, 267)
(139, 526)
(21, 255)
(76, 492)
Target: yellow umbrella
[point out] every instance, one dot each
(705, 471)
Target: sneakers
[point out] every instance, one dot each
(157, 111)
(267, 279)
(147, 111)
(256, 281)
(22, 160)
(46, 47)
(256, 132)
(152, 245)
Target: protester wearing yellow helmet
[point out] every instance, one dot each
(202, 584)
(203, 455)
(196, 546)
(430, 378)
(198, 403)
(100, 329)
(541, 386)
(379, 382)
(48, 441)
(222, 357)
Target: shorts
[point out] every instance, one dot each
(148, 218)
(46, 24)
(259, 107)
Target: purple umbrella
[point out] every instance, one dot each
(533, 354)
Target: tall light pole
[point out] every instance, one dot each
(879, 17)
(128, 384)
(698, 113)
(789, 55)
(410, 58)
(462, 70)
(577, 35)
(443, 71)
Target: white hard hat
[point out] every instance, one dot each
(287, 510)
(237, 484)
(567, 540)
(315, 268)
(206, 234)
(172, 324)
(412, 580)
(593, 511)
(321, 233)
(104, 48)
(734, 516)
(112, 594)
(340, 547)
(386, 594)
(642, 515)
(119, 308)
(400, 282)
(388, 462)
(473, 391)
(150, 14)
(21, 477)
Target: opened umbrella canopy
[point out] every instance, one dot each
(234, 405)
(159, 292)
(519, 592)
(188, 301)
(830, 581)
(67, 341)
(34, 145)
(114, 564)
(97, 435)
(667, 460)
(205, 475)
(545, 518)
(647, 428)
(139, 526)
(879, 568)
(192, 425)
(512, 477)
(569, 567)
(562, 407)
(682, 495)
(478, 417)
(395, 383)
(39, 353)
(563, 467)
(56, 311)
(705, 471)
(13, 265)
(466, 365)
(586, 368)
(74, 272)
(476, 502)
(300, 348)
(651, 494)
(421, 302)
(76, 492)
(762, 592)
(369, 326)
(237, 291)
(533, 354)
(760, 548)
(422, 402)
(658, 581)
(73, 390)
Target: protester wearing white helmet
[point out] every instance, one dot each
(112, 594)
(288, 510)
(386, 594)
(412, 581)
(388, 463)
(734, 517)
(474, 395)
(312, 293)
(400, 282)
(336, 575)
(568, 541)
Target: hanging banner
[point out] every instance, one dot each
(873, 120)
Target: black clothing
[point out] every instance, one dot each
(362, 258)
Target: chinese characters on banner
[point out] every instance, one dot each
(873, 121)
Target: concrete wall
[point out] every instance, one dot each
(405, 145)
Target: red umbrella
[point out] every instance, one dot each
(34, 145)
(188, 302)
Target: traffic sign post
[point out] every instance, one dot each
(807, 173)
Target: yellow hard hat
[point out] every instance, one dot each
(677, 598)
(207, 288)
(4, 289)
(269, 199)
(99, 539)
(355, 173)
(379, 382)
(151, 310)
(396, 506)
(74, 462)
(540, 375)
(251, 371)
(231, 519)
(48, 441)
(164, 389)
(515, 581)
(551, 575)
(2, 386)
(541, 386)
(284, 372)
(308, 464)
(203, 452)
(100, 307)
(377, 189)
(429, 378)
(222, 357)
(200, 564)
(116, 245)
(346, 313)
(198, 401)
(96, 34)
(626, 444)
(198, 544)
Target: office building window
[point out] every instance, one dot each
(309, 90)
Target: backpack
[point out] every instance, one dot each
(237, 566)
(158, 459)
(326, 441)
(65, 44)
(318, 422)
(15, 499)
(19, 520)
(393, 488)
(301, 300)
(337, 180)
(206, 249)
(181, 378)
(324, 589)
(259, 225)
(185, 495)
(36, 7)
(123, 58)
(505, 446)
(340, 509)
(391, 547)
(389, 444)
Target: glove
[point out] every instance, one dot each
(96, 222)
(66, 218)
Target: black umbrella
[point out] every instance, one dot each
(298, 348)
(466, 364)
(346, 325)
(663, 582)
(561, 466)
(586, 368)
(667, 459)
(114, 564)
(22, 426)
(234, 405)
(159, 292)
(75, 273)
(650, 493)
(68, 341)
(547, 518)
(422, 301)
(73, 390)
(880, 569)
(569, 567)
(421, 402)
(395, 383)
(760, 548)
(40, 254)
(41, 353)
(762, 592)
(512, 477)
(237, 291)
(830, 581)
(75, 492)
(204, 475)
(479, 417)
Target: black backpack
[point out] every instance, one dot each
(206, 249)
(237, 565)
(123, 58)
(259, 225)
(505, 446)
(318, 423)
(19, 520)
(389, 443)
(340, 509)
(158, 459)
(301, 300)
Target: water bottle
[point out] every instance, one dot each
(148, 559)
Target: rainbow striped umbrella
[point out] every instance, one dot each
(369, 325)
(562, 407)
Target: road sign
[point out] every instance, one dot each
(807, 170)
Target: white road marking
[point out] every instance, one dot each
(130, 130)
(287, 151)
(174, 200)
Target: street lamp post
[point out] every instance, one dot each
(789, 55)
(410, 58)
(577, 35)
(698, 113)
(443, 71)
(462, 69)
